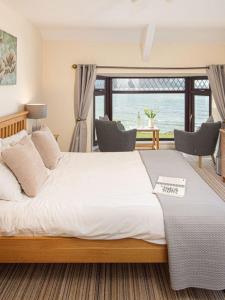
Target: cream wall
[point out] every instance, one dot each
(58, 76)
(29, 62)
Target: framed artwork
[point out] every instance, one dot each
(8, 58)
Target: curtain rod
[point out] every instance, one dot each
(74, 66)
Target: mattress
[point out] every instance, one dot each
(90, 196)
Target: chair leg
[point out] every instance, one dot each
(213, 159)
(200, 161)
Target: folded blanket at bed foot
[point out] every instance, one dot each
(194, 224)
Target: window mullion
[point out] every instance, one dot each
(187, 103)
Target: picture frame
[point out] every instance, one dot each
(8, 59)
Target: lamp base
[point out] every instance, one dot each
(37, 125)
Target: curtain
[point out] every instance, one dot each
(83, 97)
(216, 77)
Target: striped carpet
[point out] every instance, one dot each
(102, 281)
(93, 282)
(207, 172)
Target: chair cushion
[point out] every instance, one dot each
(210, 119)
(120, 125)
(105, 118)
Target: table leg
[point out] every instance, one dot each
(153, 140)
(157, 140)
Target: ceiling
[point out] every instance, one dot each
(77, 18)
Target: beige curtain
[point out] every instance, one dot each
(216, 77)
(83, 97)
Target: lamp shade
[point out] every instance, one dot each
(36, 111)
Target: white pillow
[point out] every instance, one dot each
(10, 189)
(13, 139)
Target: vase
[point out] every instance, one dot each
(150, 123)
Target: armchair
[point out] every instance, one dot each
(112, 138)
(200, 143)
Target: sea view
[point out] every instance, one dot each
(169, 108)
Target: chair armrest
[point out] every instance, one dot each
(128, 139)
(185, 141)
(131, 132)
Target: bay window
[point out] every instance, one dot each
(180, 102)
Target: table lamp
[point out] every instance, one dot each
(36, 111)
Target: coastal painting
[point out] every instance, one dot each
(8, 58)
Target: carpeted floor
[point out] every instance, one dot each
(97, 282)
(207, 172)
(101, 281)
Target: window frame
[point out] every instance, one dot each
(189, 94)
(101, 92)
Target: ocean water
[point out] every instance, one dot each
(169, 108)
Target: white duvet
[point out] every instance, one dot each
(90, 196)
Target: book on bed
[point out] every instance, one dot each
(170, 186)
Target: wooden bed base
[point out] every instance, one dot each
(73, 250)
(23, 249)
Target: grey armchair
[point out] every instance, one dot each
(200, 143)
(112, 138)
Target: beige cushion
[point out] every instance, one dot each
(47, 147)
(26, 164)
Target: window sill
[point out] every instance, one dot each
(163, 145)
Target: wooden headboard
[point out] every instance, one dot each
(12, 124)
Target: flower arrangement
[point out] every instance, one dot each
(151, 114)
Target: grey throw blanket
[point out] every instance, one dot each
(194, 224)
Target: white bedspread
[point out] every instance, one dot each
(90, 196)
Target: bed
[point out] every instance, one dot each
(30, 248)
(99, 208)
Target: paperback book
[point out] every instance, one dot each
(170, 186)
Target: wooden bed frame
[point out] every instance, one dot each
(23, 249)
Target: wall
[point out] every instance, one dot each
(58, 76)
(29, 63)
